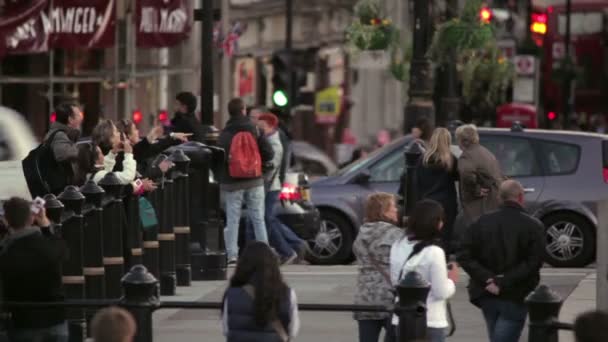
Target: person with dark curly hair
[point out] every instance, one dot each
(258, 305)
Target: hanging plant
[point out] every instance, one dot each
(485, 77)
(370, 30)
(400, 63)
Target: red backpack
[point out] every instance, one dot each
(244, 160)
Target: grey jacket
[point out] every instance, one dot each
(478, 168)
(373, 287)
(273, 177)
(64, 143)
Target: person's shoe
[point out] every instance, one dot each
(303, 251)
(290, 259)
(232, 262)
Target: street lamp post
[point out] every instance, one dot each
(420, 103)
(450, 103)
(206, 15)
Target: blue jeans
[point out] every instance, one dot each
(281, 238)
(504, 319)
(369, 330)
(56, 333)
(254, 200)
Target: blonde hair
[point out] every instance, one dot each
(438, 151)
(467, 135)
(377, 205)
(113, 324)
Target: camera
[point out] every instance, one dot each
(37, 205)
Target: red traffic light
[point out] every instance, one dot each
(137, 116)
(539, 23)
(551, 116)
(53, 117)
(163, 116)
(485, 14)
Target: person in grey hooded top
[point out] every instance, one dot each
(372, 249)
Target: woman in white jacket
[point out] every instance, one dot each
(418, 251)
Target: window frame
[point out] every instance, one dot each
(380, 160)
(545, 169)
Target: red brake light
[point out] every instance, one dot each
(605, 173)
(289, 192)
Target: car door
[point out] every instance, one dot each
(518, 159)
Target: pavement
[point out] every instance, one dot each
(336, 284)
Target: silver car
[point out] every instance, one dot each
(565, 175)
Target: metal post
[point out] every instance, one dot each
(116, 77)
(420, 103)
(73, 278)
(412, 156)
(411, 308)
(132, 232)
(289, 53)
(567, 86)
(602, 258)
(207, 51)
(543, 307)
(166, 239)
(141, 298)
(151, 246)
(113, 259)
(181, 227)
(94, 272)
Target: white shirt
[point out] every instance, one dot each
(129, 168)
(431, 265)
(294, 323)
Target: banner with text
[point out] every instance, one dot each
(162, 23)
(24, 27)
(83, 23)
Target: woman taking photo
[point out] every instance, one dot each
(418, 251)
(372, 249)
(436, 177)
(258, 305)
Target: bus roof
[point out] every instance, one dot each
(562, 3)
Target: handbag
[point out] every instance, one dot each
(276, 324)
(147, 214)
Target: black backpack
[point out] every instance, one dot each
(43, 174)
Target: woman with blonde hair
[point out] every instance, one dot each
(372, 249)
(436, 177)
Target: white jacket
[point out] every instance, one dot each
(129, 168)
(431, 265)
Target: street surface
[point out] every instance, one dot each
(329, 284)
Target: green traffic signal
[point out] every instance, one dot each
(279, 98)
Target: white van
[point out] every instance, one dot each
(16, 141)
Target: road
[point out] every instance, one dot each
(328, 284)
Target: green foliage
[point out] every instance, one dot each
(400, 62)
(366, 10)
(370, 30)
(485, 77)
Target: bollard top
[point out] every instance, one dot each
(52, 202)
(139, 275)
(111, 184)
(71, 193)
(413, 279)
(92, 192)
(544, 295)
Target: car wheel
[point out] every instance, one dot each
(569, 241)
(333, 243)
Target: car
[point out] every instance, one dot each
(310, 160)
(565, 176)
(16, 141)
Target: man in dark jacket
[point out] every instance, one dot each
(30, 271)
(65, 132)
(234, 191)
(185, 120)
(502, 253)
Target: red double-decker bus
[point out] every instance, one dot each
(588, 47)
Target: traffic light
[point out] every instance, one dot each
(485, 15)
(163, 116)
(137, 116)
(551, 116)
(53, 117)
(539, 23)
(280, 78)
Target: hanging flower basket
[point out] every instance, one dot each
(370, 30)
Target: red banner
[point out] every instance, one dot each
(83, 23)
(24, 27)
(162, 23)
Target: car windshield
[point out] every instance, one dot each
(364, 162)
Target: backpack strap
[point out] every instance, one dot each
(51, 137)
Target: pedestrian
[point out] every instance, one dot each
(63, 135)
(479, 173)
(109, 140)
(436, 176)
(286, 243)
(372, 248)
(502, 253)
(113, 324)
(284, 136)
(185, 120)
(591, 326)
(419, 251)
(247, 150)
(258, 305)
(30, 271)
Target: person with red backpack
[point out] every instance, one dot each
(247, 151)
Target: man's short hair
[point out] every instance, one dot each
(235, 107)
(467, 135)
(64, 111)
(112, 324)
(187, 99)
(591, 327)
(17, 212)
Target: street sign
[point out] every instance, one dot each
(507, 47)
(524, 65)
(328, 103)
(558, 50)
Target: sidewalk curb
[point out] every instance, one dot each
(580, 300)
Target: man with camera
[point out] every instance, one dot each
(30, 271)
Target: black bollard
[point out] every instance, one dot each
(54, 211)
(166, 239)
(150, 239)
(412, 156)
(141, 298)
(113, 259)
(411, 308)
(543, 307)
(132, 233)
(183, 269)
(73, 277)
